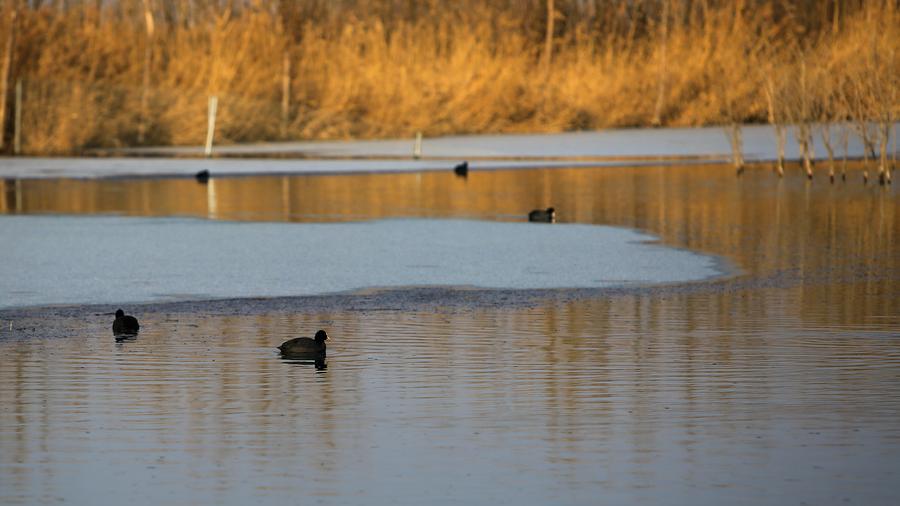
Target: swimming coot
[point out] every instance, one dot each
(202, 176)
(462, 169)
(543, 215)
(305, 345)
(125, 324)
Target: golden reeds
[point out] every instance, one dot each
(139, 71)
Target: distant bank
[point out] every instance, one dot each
(616, 147)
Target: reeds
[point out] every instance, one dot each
(99, 74)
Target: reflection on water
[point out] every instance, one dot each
(768, 226)
(318, 362)
(755, 218)
(782, 386)
(662, 401)
(125, 338)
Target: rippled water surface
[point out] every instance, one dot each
(777, 386)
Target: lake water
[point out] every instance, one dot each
(775, 382)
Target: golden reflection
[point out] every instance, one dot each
(767, 225)
(573, 377)
(581, 375)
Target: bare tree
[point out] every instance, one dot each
(733, 132)
(854, 114)
(858, 100)
(828, 112)
(774, 76)
(885, 96)
(834, 114)
(883, 86)
(799, 108)
(825, 131)
(776, 117)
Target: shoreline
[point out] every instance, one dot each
(28, 322)
(419, 298)
(586, 149)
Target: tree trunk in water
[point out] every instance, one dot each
(737, 148)
(6, 71)
(780, 130)
(893, 157)
(804, 140)
(865, 164)
(804, 128)
(884, 176)
(826, 139)
(845, 140)
(862, 129)
(781, 141)
(809, 162)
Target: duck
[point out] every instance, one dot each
(125, 324)
(462, 169)
(543, 215)
(202, 176)
(305, 345)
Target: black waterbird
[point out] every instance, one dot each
(462, 169)
(543, 215)
(305, 345)
(125, 324)
(202, 176)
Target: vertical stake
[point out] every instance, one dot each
(211, 128)
(417, 148)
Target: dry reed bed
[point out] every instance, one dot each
(141, 72)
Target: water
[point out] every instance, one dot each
(779, 385)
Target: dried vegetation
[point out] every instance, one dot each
(135, 72)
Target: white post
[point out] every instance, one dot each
(211, 128)
(17, 132)
(417, 148)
